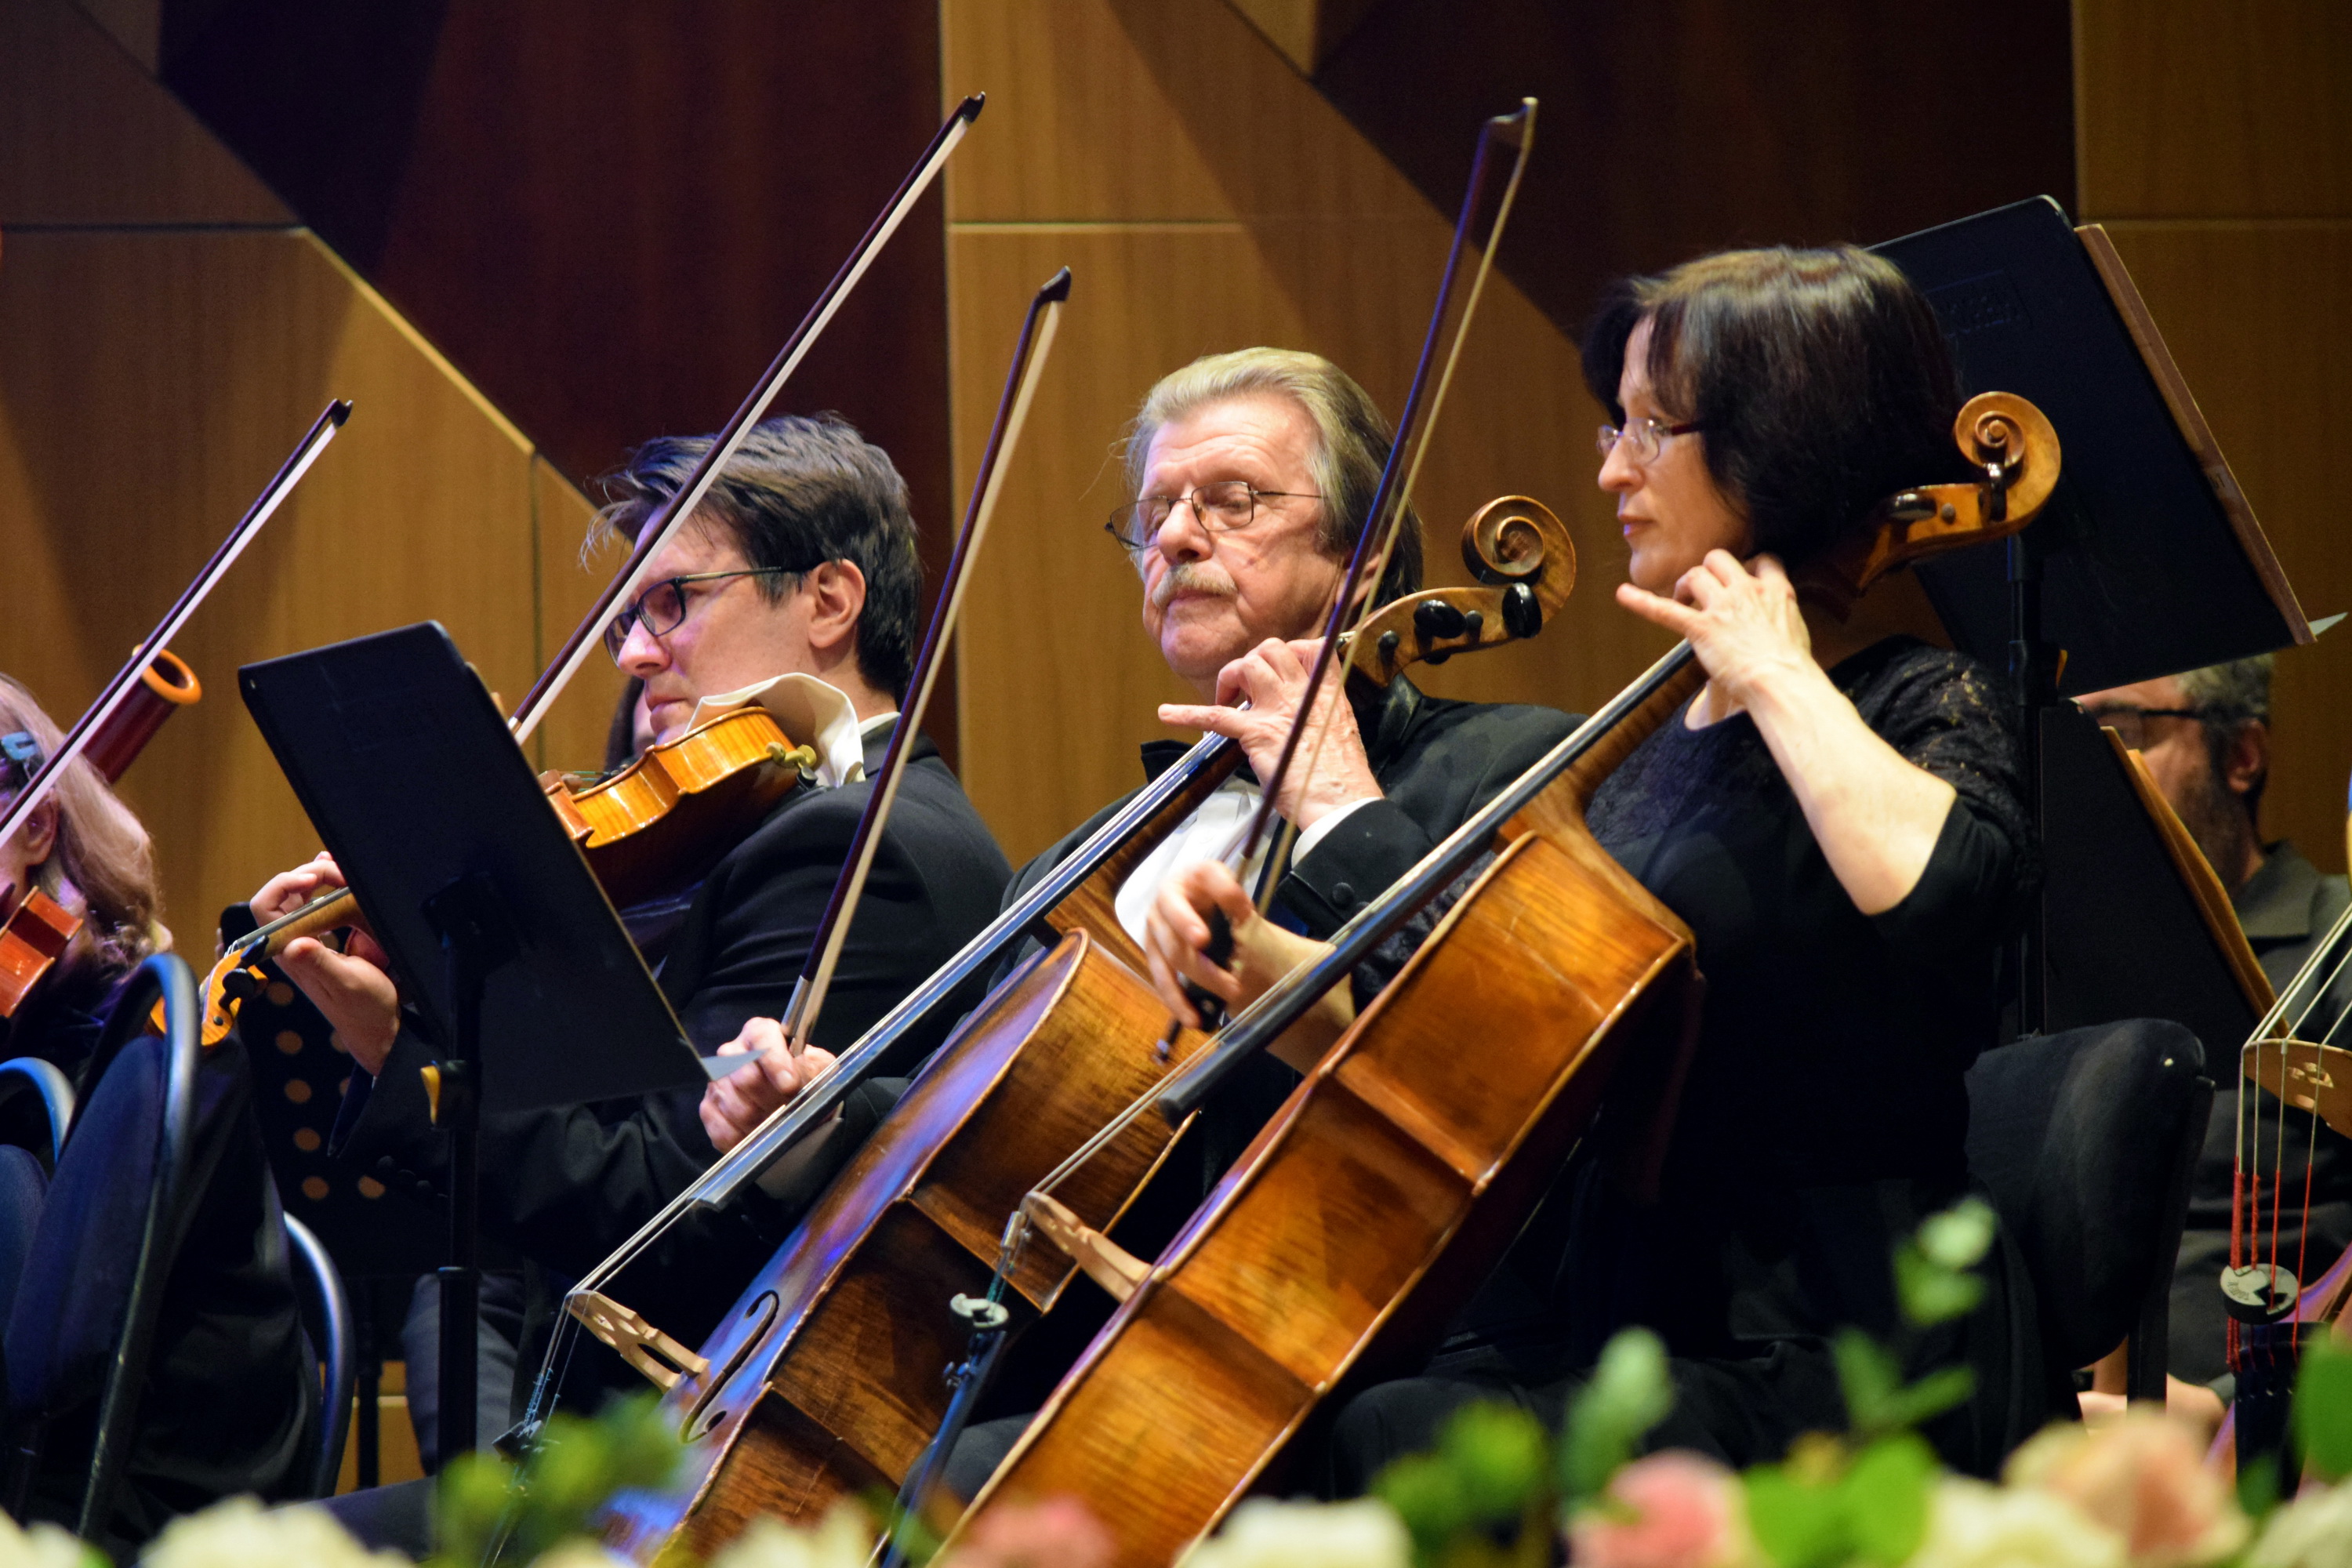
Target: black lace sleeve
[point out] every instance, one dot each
(1948, 714)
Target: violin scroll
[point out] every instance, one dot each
(1525, 563)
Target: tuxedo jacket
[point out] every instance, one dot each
(567, 1187)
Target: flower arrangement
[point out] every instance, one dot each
(1500, 1491)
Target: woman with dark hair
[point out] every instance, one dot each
(1836, 816)
(83, 848)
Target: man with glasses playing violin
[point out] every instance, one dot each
(2205, 736)
(797, 586)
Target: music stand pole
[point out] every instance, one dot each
(2029, 670)
(474, 940)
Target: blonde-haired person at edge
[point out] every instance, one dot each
(230, 1394)
(83, 848)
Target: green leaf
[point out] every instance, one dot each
(1940, 1390)
(2323, 1405)
(1630, 1393)
(1885, 1496)
(1798, 1524)
(1959, 1237)
(1869, 1378)
(1498, 1454)
(1420, 1489)
(1931, 1291)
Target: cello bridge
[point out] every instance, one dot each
(660, 1358)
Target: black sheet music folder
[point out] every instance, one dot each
(414, 784)
(2153, 562)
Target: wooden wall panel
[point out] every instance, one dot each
(150, 383)
(2259, 317)
(2215, 108)
(608, 214)
(85, 137)
(2215, 138)
(1189, 234)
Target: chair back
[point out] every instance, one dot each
(327, 1307)
(84, 1316)
(45, 1081)
(2086, 1139)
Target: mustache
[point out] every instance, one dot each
(1192, 577)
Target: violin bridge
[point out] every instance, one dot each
(662, 1358)
(1108, 1264)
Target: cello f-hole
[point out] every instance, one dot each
(761, 1311)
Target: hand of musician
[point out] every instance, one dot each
(1176, 934)
(738, 1103)
(1272, 677)
(1875, 814)
(353, 988)
(1742, 620)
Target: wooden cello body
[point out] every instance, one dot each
(1366, 1214)
(1357, 1223)
(824, 1381)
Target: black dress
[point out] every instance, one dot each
(1823, 1116)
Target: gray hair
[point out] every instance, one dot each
(1353, 440)
(2229, 697)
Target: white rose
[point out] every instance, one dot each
(43, 1546)
(843, 1538)
(1264, 1533)
(240, 1533)
(2314, 1531)
(1972, 1525)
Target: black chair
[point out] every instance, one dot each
(326, 1305)
(20, 1076)
(93, 1305)
(2086, 1141)
(23, 1174)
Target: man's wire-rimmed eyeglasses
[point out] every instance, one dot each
(663, 607)
(1644, 439)
(1223, 506)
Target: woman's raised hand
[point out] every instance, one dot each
(1742, 621)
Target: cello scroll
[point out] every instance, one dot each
(1525, 562)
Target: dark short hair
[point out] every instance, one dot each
(2228, 698)
(802, 491)
(1820, 379)
(1352, 441)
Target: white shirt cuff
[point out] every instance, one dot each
(1309, 838)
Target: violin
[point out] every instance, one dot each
(37, 929)
(1365, 1214)
(667, 817)
(129, 708)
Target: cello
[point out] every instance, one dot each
(1362, 1217)
(822, 1383)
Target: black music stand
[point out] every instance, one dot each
(2147, 561)
(496, 930)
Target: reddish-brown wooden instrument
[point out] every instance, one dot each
(665, 820)
(1359, 1222)
(36, 929)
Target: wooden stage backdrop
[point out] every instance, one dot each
(1217, 171)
